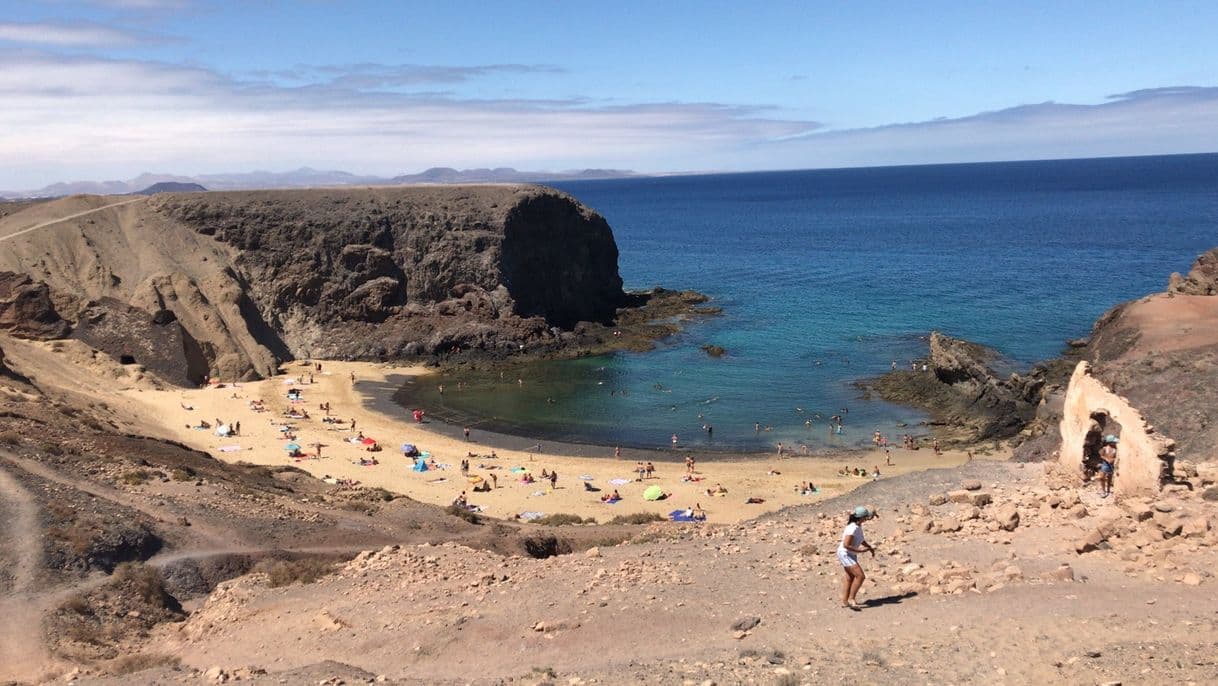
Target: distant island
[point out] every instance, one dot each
(306, 177)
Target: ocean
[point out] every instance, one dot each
(826, 277)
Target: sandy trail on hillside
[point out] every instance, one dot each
(59, 220)
(21, 648)
(261, 442)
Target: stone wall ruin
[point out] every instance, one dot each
(1144, 458)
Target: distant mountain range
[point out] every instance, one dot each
(306, 177)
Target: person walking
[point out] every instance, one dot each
(849, 545)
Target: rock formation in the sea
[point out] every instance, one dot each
(231, 284)
(1202, 279)
(965, 392)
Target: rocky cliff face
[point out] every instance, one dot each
(384, 273)
(235, 282)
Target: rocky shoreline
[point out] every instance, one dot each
(1166, 360)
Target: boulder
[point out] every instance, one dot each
(947, 525)
(937, 499)
(1007, 517)
(1139, 510)
(1169, 524)
(1195, 527)
(1090, 542)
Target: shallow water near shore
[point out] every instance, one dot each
(827, 277)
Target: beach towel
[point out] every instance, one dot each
(619, 482)
(518, 470)
(230, 448)
(537, 494)
(530, 516)
(680, 516)
(585, 477)
(612, 501)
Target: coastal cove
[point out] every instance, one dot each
(828, 277)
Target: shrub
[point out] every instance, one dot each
(360, 506)
(462, 513)
(135, 477)
(637, 518)
(381, 494)
(10, 438)
(560, 520)
(286, 572)
(145, 582)
(130, 664)
(183, 474)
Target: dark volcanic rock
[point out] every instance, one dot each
(1202, 279)
(384, 273)
(26, 309)
(962, 390)
(133, 336)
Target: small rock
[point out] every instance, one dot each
(1093, 653)
(1191, 579)
(1164, 507)
(971, 485)
(947, 525)
(216, 674)
(937, 499)
(745, 623)
(592, 552)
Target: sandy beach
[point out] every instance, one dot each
(261, 441)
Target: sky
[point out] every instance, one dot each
(107, 89)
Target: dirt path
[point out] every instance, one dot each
(22, 652)
(211, 533)
(43, 225)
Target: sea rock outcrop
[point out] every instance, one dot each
(1202, 279)
(965, 392)
(231, 284)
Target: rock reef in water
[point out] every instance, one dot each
(968, 398)
(230, 284)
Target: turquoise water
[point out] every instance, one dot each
(826, 277)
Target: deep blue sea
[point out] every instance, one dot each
(829, 276)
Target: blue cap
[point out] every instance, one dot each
(862, 512)
(1110, 438)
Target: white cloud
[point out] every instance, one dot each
(74, 35)
(87, 117)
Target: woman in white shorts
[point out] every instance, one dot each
(849, 545)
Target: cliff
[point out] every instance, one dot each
(230, 284)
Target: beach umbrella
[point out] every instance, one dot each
(408, 448)
(290, 447)
(653, 493)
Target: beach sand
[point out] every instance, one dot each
(261, 442)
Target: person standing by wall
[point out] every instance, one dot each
(1108, 455)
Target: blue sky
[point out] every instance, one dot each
(105, 89)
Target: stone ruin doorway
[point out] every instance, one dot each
(1103, 427)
